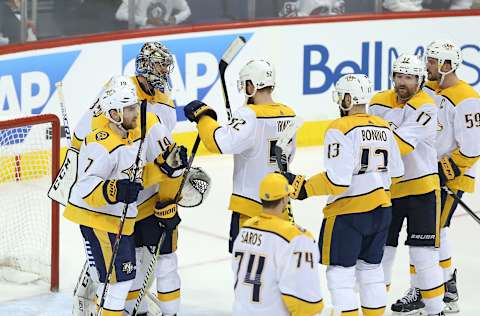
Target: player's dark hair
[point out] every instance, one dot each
(271, 204)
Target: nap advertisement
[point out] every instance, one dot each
(308, 60)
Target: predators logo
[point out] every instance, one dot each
(101, 135)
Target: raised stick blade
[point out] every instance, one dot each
(233, 50)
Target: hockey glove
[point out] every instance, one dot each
(298, 184)
(447, 170)
(196, 109)
(167, 214)
(173, 160)
(123, 191)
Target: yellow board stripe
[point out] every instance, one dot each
(168, 296)
(106, 246)
(447, 263)
(378, 311)
(435, 292)
(327, 239)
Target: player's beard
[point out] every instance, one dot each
(130, 125)
(433, 77)
(403, 92)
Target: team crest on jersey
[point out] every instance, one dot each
(101, 135)
(130, 172)
(128, 267)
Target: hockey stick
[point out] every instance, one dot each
(227, 58)
(284, 139)
(463, 204)
(61, 99)
(147, 280)
(118, 237)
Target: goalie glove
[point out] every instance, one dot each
(298, 183)
(447, 170)
(167, 215)
(173, 160)
(124, 191)
(196, 188)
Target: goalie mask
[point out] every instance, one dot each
(119, 93)
(260, 73)
(442, 51)
(155, 63)
(195, 189)
(350, 90)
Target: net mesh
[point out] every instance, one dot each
(25, 177)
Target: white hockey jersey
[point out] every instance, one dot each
(251, 138)
(276, 269)
(105, 155)
(458, 129)
(415, 128)
(160, 104)
(361, 158)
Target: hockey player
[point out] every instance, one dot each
(412, 115)
(250, 137)
(457, 147)
(361, 160)
(108, 181)
(274, 260)
(153, 65)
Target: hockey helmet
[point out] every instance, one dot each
(357, 86)
(119, 93)
(259, 72)
(443, 50)
(410, 65)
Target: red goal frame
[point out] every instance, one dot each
(55, 229)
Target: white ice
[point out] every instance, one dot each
(207, 279)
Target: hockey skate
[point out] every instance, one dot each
(451, 295)
(409, 305)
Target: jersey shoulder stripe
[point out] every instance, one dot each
(159, 97)
(386, 98)
(459, 92)
(432, 85)
(348, 123)
(275, 110)
(421, 98)
(282, 228)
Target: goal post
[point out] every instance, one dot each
(29, 162)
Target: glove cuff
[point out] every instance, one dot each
(110, 191)
(298, 184)
(204, 110)
(447, 168)
(165, 210)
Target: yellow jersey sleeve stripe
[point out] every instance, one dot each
(321, 184)
(96, 198)
(299, 307)
(463, 161)
(207, 127)
(404, 146)
(244, 205)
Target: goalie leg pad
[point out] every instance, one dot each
(143, 256)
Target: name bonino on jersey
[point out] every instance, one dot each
(104, 155)
(414, 127)
(353, 182)
(160, 103)
(252, 132)
(458, 119)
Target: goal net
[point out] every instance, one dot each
(29, 157)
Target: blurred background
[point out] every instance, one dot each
(31, 20)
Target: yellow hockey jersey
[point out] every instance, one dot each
(160, 104)
(276, 269)
(105, 155)
(458, 129)
(361, 158)
(415, 128)
(251, 138)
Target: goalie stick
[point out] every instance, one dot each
(148, 276)
(226, 59)
(67, 174)
(118, 236)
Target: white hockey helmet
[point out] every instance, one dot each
(259, 72)
(443, 50)
(410, 65)
(358, 86)
(119, 93)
